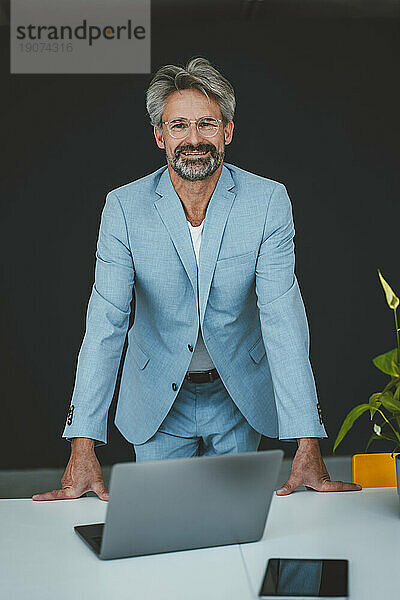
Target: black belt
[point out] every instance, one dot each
(202, 376)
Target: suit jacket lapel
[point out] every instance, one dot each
(218, 210)
(170, 209)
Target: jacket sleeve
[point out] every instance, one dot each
(107, 320)
(284, 325)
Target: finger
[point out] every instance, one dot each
(288, 487)
(101, 491)
(62, 494)
(341, 486)
(338, 486)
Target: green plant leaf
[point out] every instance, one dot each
(372, 410)
(387, 433)
(397, 417)
(395, 423)
(390, 403)
(374, 399)
(397, 393)
(348, 423)
(391, 383)
(388, 362)
(371, 439)
(391, 297)
(374, 403)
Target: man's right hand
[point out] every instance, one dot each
(82, 474)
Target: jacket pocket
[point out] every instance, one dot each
(140, 358)
(257, 351)
(236, 260)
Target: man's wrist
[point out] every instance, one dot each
(81, 444)
(307, 442)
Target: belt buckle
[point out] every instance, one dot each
(210, 376)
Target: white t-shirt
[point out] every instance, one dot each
(201, 360)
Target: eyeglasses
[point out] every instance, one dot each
(206, 126)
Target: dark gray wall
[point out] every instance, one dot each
(317, 109)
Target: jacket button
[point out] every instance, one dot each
(174, 387)
(190, 347)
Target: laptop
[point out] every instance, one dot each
(185, 503)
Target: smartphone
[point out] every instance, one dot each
(305, 578)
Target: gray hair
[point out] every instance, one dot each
(198, 74)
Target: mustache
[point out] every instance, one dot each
(200, 148)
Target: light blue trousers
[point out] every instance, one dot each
(203, 420)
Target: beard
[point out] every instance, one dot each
(199, 168)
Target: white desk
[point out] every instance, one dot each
(363, 527)
(42, 558)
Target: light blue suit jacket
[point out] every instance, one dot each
(244, 295)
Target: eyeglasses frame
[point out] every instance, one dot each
(190, 122)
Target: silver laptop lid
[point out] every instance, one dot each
(187, 503)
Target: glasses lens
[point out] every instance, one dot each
(179, 128)
(208, 126)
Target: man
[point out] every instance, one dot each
(218, 351)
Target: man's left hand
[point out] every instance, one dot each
(309, 469)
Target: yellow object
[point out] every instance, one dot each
(375, 469)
